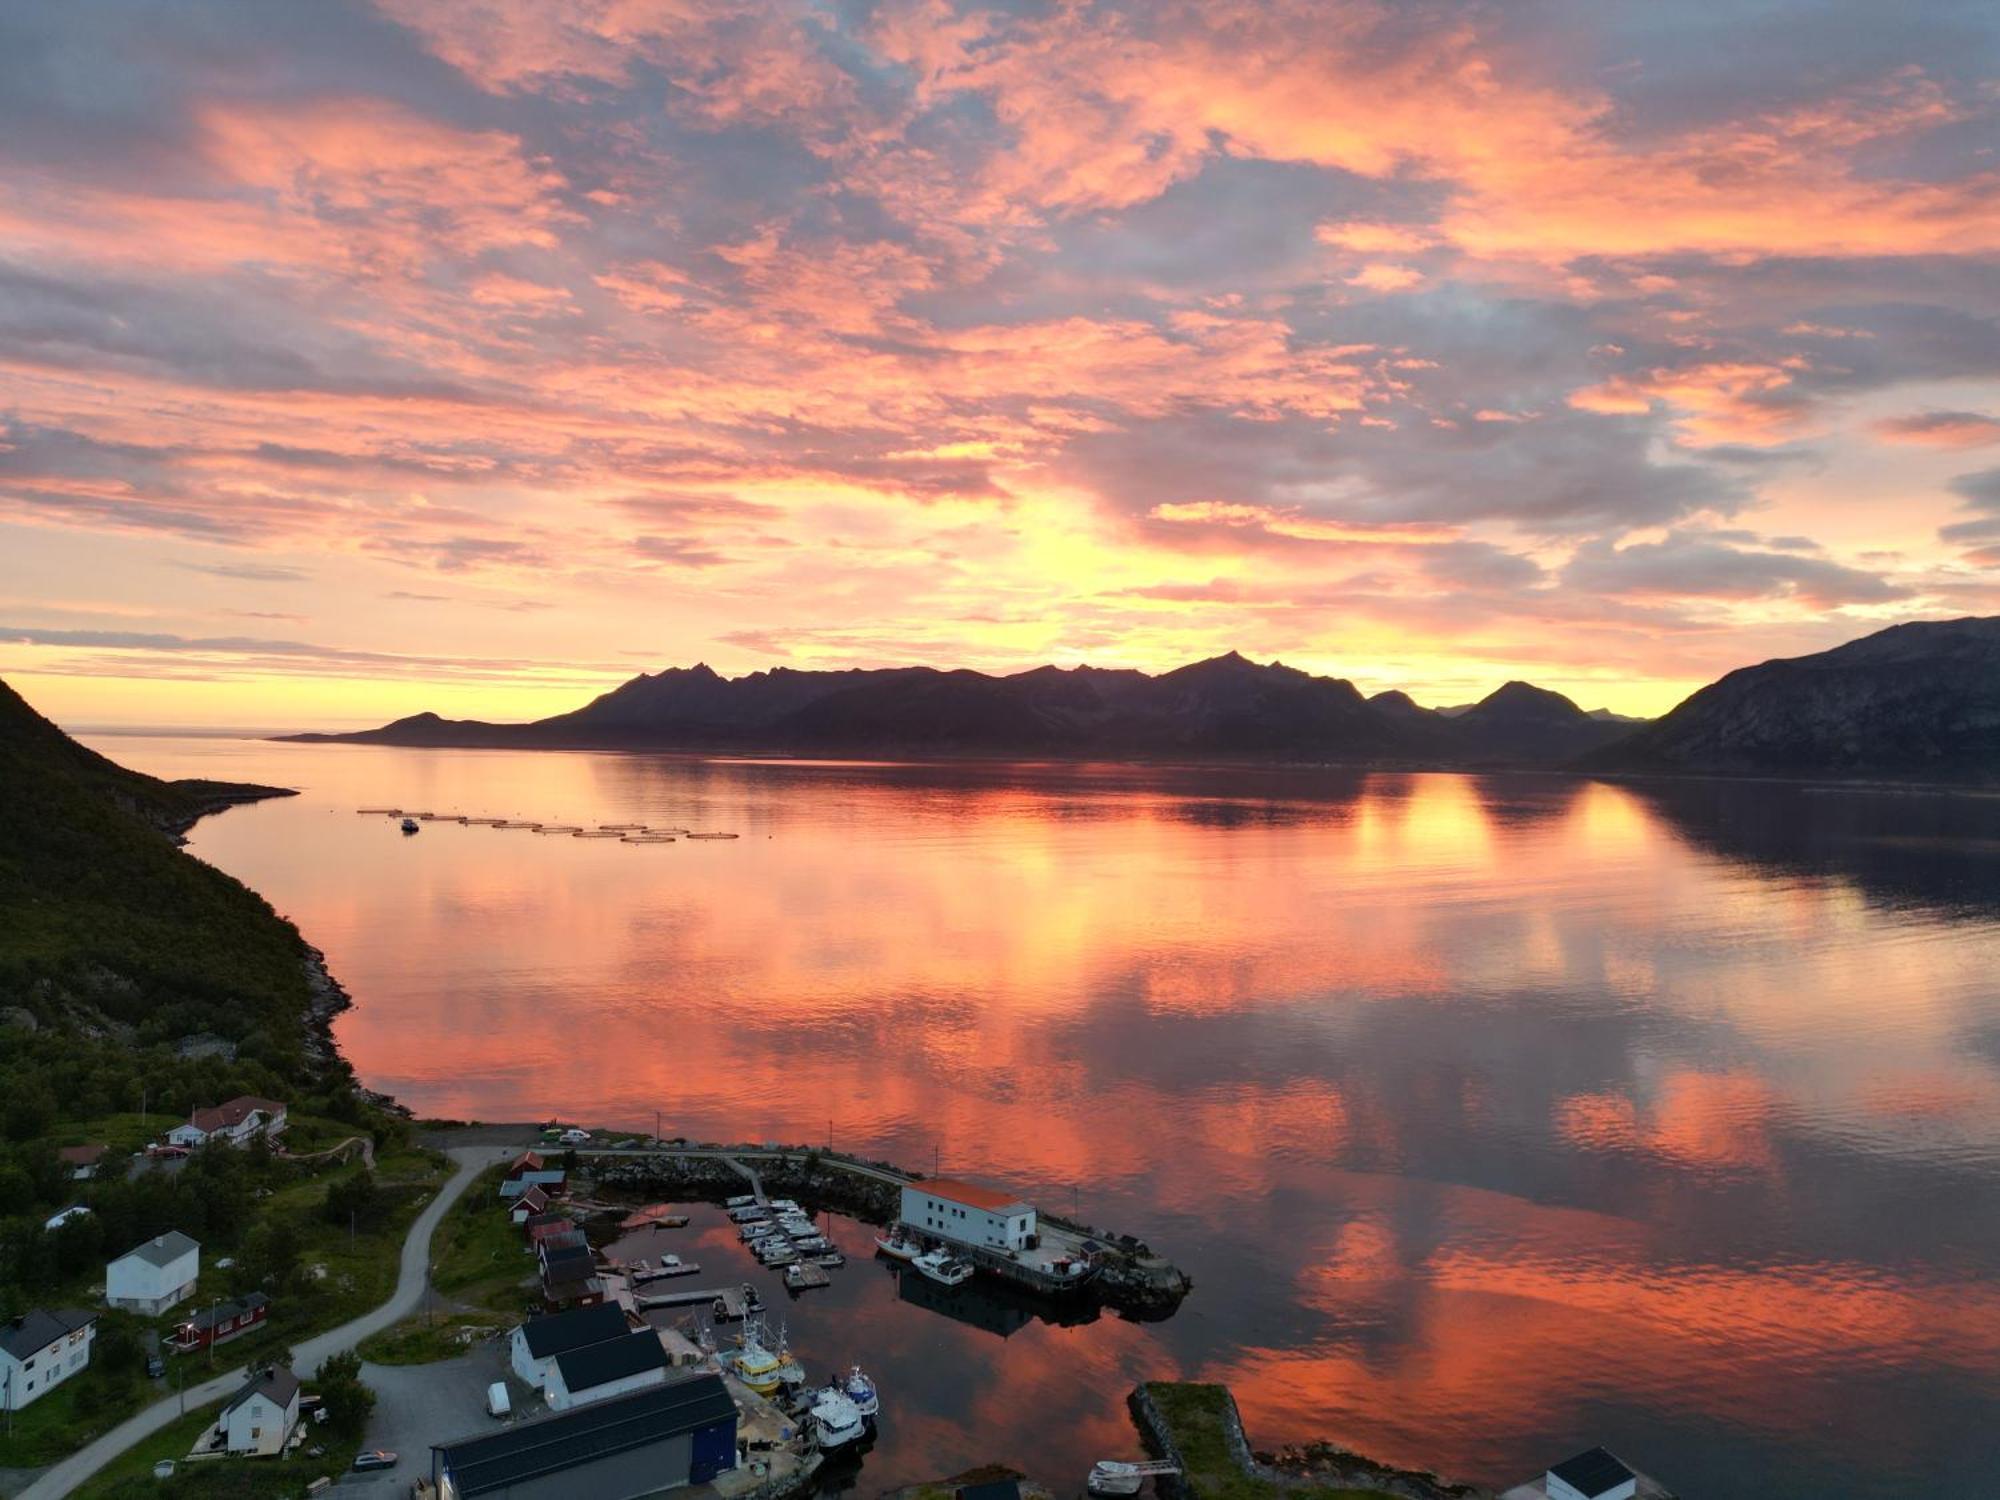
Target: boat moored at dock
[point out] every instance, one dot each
(943, 1267)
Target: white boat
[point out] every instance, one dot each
(833, 1260)
(897, 1246)
(751, 1232)
(744, 1200)
(861, 1391)
(1108, 1476)
(812, 1244)
(779, 1253)
(782, 1206)
(750, 1213)
(943, 1267)
(835, 1419)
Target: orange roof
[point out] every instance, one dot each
(82, 1156)
(971, 1194)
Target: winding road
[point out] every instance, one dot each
(412, 1276)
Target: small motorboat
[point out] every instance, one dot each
(783, 1206)
(750, 1233)
(409, 825)
(1110, 1476)
(813, 1244)
(748, 1213)
(776, 1252)
(898, 1246)
(742, 1200)
(943, 1267)
(833, 1260)
(861, 1391)
(835, 1419)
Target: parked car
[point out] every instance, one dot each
(156, 1365)
(574, 1137)
(374, 1458)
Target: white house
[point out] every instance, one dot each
(42, 1348)
(538, 1342)
(235, 1122)
(154, 1276)
(969, 1214)
(1594, 1475)
(616, 1367)
(261, 1416)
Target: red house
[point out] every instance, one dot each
(222, 1322)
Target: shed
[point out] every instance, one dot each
(537, 1342)
(612, 1368)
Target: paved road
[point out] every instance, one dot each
(411, 1278)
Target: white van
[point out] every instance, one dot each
(497, 1404)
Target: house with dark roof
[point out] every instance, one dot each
(235, 1122)
(222, 1322)
(612, 1368)
(260, 1417)
(663, 1437)
(82, 1161)
(537, 1342)
(42, 1348)
(531, 1202)
(1591, 1475)
(150, 1278)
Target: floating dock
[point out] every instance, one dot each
(804, 1275)
(732, 1304)
(663, 1273)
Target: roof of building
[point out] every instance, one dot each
(565, 1440)
(277, 1382)
(534, 1200)
(81, 1156)
(614, 1359)
(223, 1312)
(1594, 1472)
(558, 1333)
(233, 1112)
(970, 1194)
(39, 1327)
(161, 1249)
(527, 1161)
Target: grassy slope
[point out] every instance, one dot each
(98, 907)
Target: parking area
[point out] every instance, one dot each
(417, 1405)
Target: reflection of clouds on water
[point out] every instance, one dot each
(1493, 1115)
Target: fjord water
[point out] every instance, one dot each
(1494, 1117)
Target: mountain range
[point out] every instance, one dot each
(1919, 701)
(1226, 707)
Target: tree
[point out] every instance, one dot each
(355, 1200)
(348, 1402)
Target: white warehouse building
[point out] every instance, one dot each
(969, 1214)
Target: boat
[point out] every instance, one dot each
(832, 1259)
(1110, 1476)
(751, 1232)
(861, 1391)
(898, 1246)
(791, 1373)
(782, 1206)
(776, 1252)
(756, 1366)
(815, 1244)
(742, 1200)
(409, 825)
(835, 1419)
(749, 1213)
(713, 835)
(941, 1266)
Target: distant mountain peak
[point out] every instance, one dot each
(1523, 700)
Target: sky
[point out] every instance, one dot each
(358, 358)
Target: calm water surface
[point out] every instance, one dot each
(1494, 1117)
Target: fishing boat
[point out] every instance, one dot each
(861, 1391)
(835, 1419)
(833, 1260)
(756, 1366)
(943, 1267)
(409, 825)
(898, 1246)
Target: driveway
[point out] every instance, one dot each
(417, 1405)
(412, 1275)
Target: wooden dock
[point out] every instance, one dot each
(732, 1304)
(663, 1273)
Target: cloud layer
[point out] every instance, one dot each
(1427, 344)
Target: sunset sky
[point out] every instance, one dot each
(360, 358)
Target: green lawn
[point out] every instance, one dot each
(88, 1403)
(1195, 1415)
(130, 1475)
(481, 1257)
(417, 1342)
